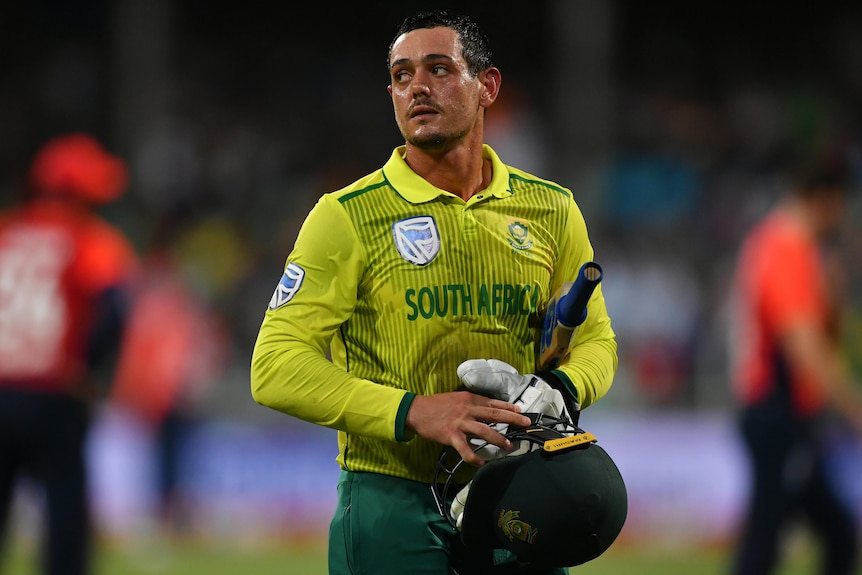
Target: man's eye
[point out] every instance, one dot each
(438, 70)
(401, 76)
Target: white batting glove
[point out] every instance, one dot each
(498, 379)
(458, 504)
(492, 378)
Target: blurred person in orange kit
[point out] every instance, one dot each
(174, 348)
(790, 375)
(64, 273)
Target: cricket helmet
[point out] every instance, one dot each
(561, 504)
(76, 165)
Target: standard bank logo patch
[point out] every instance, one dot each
(417, 239)
(290, 283)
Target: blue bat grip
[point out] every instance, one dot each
(572, 309)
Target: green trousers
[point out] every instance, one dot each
(385, 525)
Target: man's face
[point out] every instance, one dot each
(436, 99)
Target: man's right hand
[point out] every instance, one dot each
(452, 418)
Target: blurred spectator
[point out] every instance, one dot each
(656, 338)
(789, 374)
(174, 349)
(516, 130)
(64, 275)
(651, 191)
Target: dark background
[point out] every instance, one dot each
(673, 122)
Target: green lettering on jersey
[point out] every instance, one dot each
(442, 305)
(484, 305)
(467, 299)
(426, 303)
(523, 298)
(459, 299)
(496, 298)
(452, 300)
(509, 307)
(409, 296)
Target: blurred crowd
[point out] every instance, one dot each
(253, 131)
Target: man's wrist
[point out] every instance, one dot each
(561, 383)
(402, 431)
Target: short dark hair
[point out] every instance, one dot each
(474, 44)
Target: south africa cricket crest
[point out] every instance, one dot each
(519, 235)
(417, 239)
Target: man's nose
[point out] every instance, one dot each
(420, 85)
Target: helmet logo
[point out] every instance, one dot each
(514, 528)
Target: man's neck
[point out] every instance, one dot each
(461, 171)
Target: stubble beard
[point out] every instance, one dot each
(435, 141)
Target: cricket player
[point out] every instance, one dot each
(789, 375)
(65, 275)
(445, 254)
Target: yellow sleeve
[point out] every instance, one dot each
(289, 369)
(589, 370)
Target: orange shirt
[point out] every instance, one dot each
(55, 259)
(779, 281)
(173, 345)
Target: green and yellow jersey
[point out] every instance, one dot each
(401, 282)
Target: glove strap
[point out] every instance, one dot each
(569, 395)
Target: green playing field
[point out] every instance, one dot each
(309, 558)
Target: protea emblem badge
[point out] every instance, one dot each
(519, 235)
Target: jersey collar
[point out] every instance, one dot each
(415, 189)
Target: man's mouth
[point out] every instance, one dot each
(422, 110)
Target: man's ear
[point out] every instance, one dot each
(491, 80)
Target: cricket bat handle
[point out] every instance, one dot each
(566, 315)
(572, 310)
